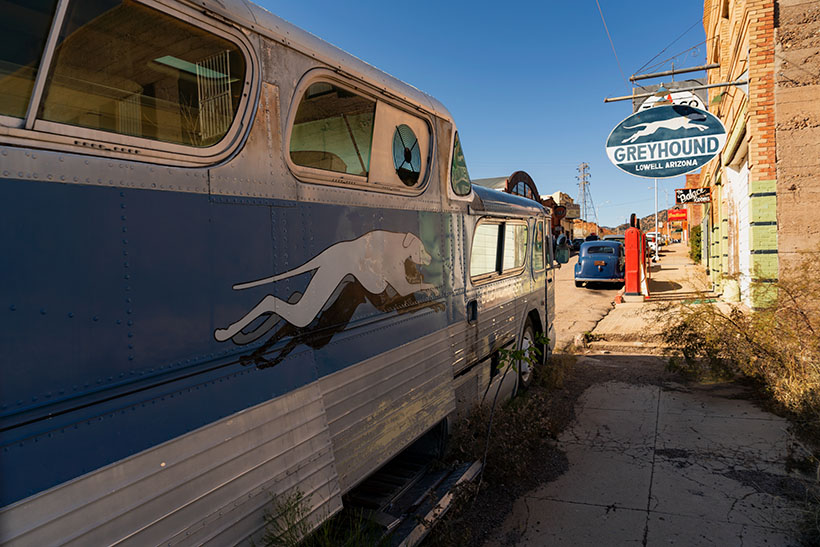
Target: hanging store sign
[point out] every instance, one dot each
(665, 141)
(692, 195)
(674, 215)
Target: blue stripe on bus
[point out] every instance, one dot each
(110, 300)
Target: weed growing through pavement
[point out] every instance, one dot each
(288, 524)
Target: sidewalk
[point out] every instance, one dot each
(639, 326)
(655, 460)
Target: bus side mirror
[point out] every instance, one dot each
(562, 249)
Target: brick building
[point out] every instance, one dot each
(766, 181)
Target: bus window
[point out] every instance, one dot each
(459, 177)
(538, 247)
(484, 258)
(515, 246)
(333, 130)
(126, 68)
(24, 29)
(498, 248)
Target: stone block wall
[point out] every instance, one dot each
(797, 126)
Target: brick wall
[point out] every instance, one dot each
(741, 38)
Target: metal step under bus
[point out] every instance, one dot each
(408, 494)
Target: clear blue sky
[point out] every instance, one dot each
(524, 80)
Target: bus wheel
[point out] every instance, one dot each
(526, 366)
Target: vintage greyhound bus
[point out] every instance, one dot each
(237, 262)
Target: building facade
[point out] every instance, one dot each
(766, 181)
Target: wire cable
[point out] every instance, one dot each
(613, 46)
(670, 44)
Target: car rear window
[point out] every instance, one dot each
(600, 250)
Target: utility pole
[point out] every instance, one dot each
(584, 195)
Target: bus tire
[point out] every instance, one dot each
(526, 367)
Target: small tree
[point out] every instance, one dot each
(694, 243)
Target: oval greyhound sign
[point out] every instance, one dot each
(665, 141)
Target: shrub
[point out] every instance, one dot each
(695, 239)
(778, 345)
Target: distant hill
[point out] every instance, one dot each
(647, 223)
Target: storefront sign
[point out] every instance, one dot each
(675, 215)
(665, 141)
(692, 195)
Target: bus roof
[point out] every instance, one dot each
(502, 202)
(258, 19)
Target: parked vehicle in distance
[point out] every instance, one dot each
(575, 246)
(651, 242)
(615, 237)
(591, 237)
(600, 262)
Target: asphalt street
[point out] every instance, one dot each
(579, 309)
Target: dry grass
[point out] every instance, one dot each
(779, 345)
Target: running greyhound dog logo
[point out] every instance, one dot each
(377, 260)
(672, 124)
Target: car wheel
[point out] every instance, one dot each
(525, 367)
(578, 283)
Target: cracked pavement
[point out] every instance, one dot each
(667, 464)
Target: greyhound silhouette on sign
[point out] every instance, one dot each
(672, 124)
(377, 261)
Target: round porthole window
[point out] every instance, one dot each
(406, 155)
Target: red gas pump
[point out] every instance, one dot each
(636, 269)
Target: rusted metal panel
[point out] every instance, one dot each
(211, 484)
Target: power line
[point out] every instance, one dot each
(696, 46)
(670, 44)
(612, 44)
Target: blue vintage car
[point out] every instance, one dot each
(600, 262)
